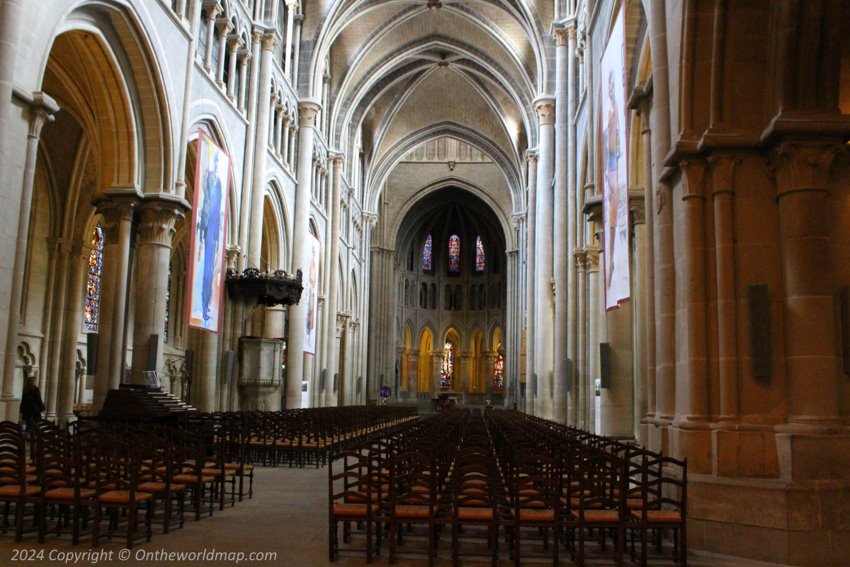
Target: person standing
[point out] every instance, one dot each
(31, 405)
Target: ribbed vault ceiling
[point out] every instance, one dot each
(398, 67)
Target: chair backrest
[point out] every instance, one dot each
(12, 454)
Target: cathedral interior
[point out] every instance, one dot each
(627, 217)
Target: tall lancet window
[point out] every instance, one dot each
(93, 281)
(479, 255)
(447, 370)
(454, 253)
(427, 260)
(499, 371)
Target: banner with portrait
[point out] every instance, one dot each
(311, 295)
(613, 153)
(207, 242)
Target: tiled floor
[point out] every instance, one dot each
(287, 516)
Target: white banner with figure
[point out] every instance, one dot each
(615, 179)
(311, 295)
(209, 223)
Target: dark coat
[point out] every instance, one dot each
(31, 403)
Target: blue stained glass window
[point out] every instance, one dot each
(93, 281)
(427, 260)
(479, 255)
(454, 253)
(447, 368)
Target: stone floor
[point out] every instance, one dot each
(286, 519)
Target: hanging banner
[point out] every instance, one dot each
(615, 180)
(311, 292)
(209, 221)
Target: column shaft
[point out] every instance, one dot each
(530, 267)
(545, 312)
(302, 251)
(559, 238)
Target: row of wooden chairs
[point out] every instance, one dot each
(303, 437)
(132, 476)
(506, 470)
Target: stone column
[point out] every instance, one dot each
(213, 8)
(293, 130)
(299, 19)
(186, 110)
(559, 238)
(284, 141)
(513, 326)
(205, 384)
(278, 130)
(301, 253)
(224, 26)
(332, 353)
(665, 276)
(233, 44)
(530, 308)
(802, 177)
(287, 50)
(463, 379)
(412, 374)
(545, 308)
(648, 327)
(489, 361)
(436, 362)
(117, 207)
(639, 288)
(42, 109)
(573, 218)
(54, 312)
(77, 265)
(595, 310)
(722, 169)
(261, 142)
(244, 56)
(582, 373)
(158, 216)
(251, 148)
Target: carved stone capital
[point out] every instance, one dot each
(722, 167)
(158, 218)
(116, 206)
(580, 258)
(531, 157)
(269, 40)
(693, 178)
(638, 209)
(592, 255)
(562, 36)
(545, 108)
(803, 166)
(308, 110)
(42, 107)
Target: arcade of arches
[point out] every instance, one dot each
(450, 160)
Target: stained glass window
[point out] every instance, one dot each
(499, 372)
(447, 369)
(454, 253)
(479, 255)
(93, 281)
(167, 305)
(427, 260)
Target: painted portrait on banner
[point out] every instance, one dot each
(311, 293)
(209, 221)
(615, 202)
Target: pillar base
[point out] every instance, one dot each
(790, 523)
(658, 436)
(744, 450)
(692, 440)
(11, 408)
(808, 455)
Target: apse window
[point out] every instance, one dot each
(479, 255)
(454, 254)
(447, 369)
(427, 260)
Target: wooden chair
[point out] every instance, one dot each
(18, 485)
(664, 487)
(601, 501)
(413, 498)
(157, 478)
(533, 499)
(351, 499)
(116, 484)
(475, 501)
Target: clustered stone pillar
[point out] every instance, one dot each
(42, 109)
(530, 330)
(545, 308)
(158, 217)
(331, 350)
(559, 237)
(117, 208)
(302, 252)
